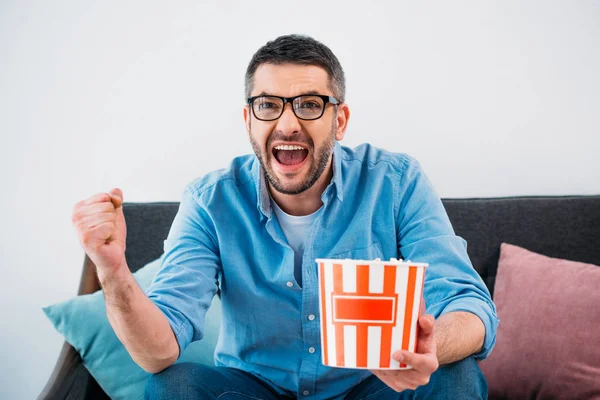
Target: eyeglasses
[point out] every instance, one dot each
(307, 106)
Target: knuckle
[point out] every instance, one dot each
(79, 222)
(97, 198)
(85, 237)
(76, 213)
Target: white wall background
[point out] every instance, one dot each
(494, 98)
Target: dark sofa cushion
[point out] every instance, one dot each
(148, 225)
(567, 227)
(564, 227)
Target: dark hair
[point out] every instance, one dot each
(303, 50)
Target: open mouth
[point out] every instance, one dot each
(290, 154)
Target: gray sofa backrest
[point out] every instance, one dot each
(564, 227)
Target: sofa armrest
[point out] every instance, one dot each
(70, 380)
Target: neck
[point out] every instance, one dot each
(307, 202)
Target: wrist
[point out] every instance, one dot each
(106, 275)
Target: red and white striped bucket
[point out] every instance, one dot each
(369, 310)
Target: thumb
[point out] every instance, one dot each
(426, 341)
(422, 306)
(116, 197)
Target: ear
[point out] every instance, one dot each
(247, 117)
(343, 115)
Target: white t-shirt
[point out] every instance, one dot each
(295, 229)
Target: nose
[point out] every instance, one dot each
(288, 122)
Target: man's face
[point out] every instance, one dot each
(292, 170)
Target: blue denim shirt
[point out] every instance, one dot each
(225, 235)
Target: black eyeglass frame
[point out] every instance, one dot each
(326, 99)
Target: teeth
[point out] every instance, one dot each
(286, 147)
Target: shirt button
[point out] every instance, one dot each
(311, 317)
(311, 350)
(289, 284)
(306, 393)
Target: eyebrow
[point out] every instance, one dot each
(309, 92)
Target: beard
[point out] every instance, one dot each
(318, 163)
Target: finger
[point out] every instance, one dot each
(422, 306)
(400, 380)
(91, 221)
(97, 198)
(425, 363)
(413, 379)
(95, 208)
(85, 212)
(105, 230)
(387, 378)
(426, 323)
(97, 235)
(426, 338)
(116, 195)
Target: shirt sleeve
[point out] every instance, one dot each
(425, 234)
(187, 281)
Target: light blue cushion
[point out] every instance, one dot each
(82, 321)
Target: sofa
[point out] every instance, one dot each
(565, 227)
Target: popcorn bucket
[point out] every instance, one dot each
(369, 310)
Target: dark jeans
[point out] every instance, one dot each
(460, 380)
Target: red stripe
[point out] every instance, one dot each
(362, 330)
(389, 288)
(362, 344)
(324, 315)
(386, 346)
(338, 279)
(362, 279)
(339, 328)
(410, 294)
(389, 280)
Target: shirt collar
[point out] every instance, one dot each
(337, 170)
(264, 198)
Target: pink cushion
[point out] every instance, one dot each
(548, 340)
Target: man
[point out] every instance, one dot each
(253, 232)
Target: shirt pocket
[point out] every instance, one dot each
(370, 252)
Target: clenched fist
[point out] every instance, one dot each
(101, 229)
